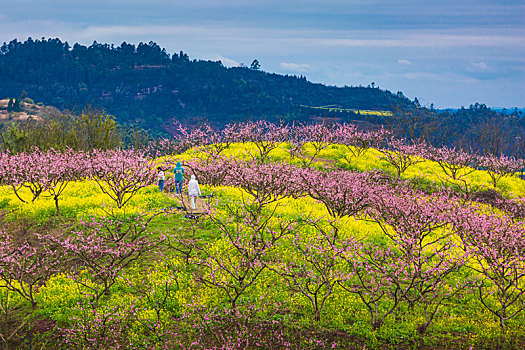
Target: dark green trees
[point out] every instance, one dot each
(255, 65)
(92, 129)
(16, 105)
(146, 84)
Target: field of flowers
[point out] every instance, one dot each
(306, 237)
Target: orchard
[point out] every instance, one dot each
(308, 236)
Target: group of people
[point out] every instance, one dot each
(193, 185)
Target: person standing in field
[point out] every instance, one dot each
(193, 191)
(161, 178)
(179, 177)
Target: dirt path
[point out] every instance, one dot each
(201, 204)
(327, 162)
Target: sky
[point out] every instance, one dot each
(449, 53)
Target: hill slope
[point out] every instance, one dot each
(27, 109)
(280, 252)
(145, 85)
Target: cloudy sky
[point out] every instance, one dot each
(449, 52)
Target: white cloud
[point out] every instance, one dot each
(151, 30)
(434, 78)
(295, 67)
(227, 62)
(479, 66)
(444, 38)
(404, 62)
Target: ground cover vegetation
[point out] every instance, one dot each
(306, 236)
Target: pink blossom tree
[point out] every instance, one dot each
(264, 135)
(424, 254)
(4, 168)
(357, 142)
(59, 168)
(165, 147)
(20, 171)
(499, 167)
(99, 328)
(237, 329)
(343, 193)
(265, 183)
(318, 136)
(120, 173)
(235, 262)
(402, 155)
(212, 171)
(42, 172)
(104, 247)
(371, 275)
(497, 253)
(309, 268)
(210, 141)
(25, 266)
(455, 163)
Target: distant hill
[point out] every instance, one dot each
(27, 109)
(514, 110)
(146, 86)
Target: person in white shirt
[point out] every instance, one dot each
(161, 178)
(193, 191)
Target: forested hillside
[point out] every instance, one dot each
(146, 85)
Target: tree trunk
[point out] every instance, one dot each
(56, 205)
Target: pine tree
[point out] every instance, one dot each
(16, 106)
(10, 105)
(255, 65)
